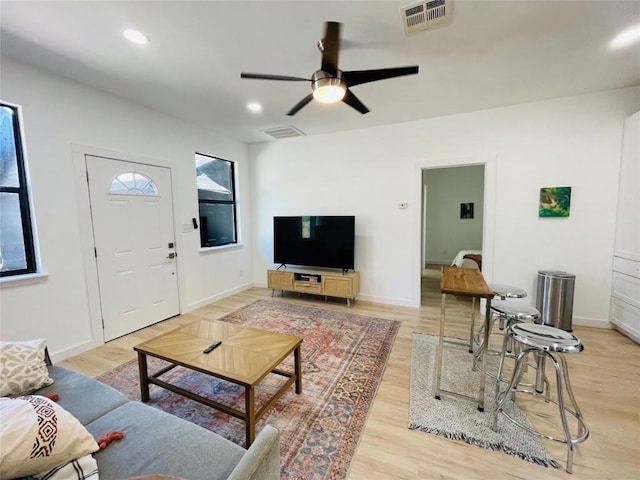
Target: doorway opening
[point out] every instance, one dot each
(456, 219)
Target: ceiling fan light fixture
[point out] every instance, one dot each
(327, 89)
(329, 93)
(626, 38)
(254, 107)
(134, 36)
(330, 84)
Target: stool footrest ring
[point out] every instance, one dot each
(583, 430)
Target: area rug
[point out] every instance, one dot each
(460, 419)
(343, 358)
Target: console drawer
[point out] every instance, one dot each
(308, 287)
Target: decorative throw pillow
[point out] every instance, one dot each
(155, 477)
(22, 367)
(84, 468)
(38, 435)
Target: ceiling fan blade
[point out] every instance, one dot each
(300, 104)
(365, 76)
(353, 101)
(266, 76)
(331, 48)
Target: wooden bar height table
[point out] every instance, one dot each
(465, 282)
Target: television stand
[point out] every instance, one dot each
(316, 282)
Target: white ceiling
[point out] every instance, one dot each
(494, 53)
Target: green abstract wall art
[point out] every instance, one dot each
(554, 202)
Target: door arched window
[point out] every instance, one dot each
(133, 183)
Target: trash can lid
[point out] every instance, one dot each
(555, 274)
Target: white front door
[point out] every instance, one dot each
(132, 214)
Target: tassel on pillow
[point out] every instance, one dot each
(109, 437)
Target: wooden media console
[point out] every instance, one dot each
(316, 282)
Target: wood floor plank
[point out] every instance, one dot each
(605, 379)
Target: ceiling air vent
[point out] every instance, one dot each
(425, 15)
(283, 132)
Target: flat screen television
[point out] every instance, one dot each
(314, 241)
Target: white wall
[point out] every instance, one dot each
(59, 113)
(572, 141)
(446, 232)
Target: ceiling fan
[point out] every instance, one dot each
(330, 84)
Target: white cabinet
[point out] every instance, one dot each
(625, 293)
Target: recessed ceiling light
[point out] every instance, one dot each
(254, 107)
(136, 36)
(626, 38)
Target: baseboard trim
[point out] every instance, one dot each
(632, 333)
(580, 321)
(386, 301)
(592, 322)
(73, 351)
(366, 298)
(214, 298)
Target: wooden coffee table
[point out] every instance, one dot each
(245, 356)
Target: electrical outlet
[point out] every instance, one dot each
(241, 273)
(444, 251)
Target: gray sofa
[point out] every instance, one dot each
(156, 442)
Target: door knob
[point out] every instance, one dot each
(172, 255)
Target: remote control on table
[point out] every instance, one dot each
(211, 347)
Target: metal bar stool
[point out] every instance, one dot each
(510, 348)
(508, 312)
(501, 292)
(545, 342)
(507, 291)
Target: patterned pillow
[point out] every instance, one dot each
(85, 468)
(38, 435)
(22, 367)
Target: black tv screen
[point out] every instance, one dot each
(314, 241)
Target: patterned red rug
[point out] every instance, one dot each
(343, 358)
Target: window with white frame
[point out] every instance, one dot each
(17, 250)
(215, 179)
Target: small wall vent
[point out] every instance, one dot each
(425, 15)
(283, 132)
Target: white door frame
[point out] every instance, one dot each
(85, 224)
(489, 215)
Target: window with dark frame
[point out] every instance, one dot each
(17, 252)
(215, 179)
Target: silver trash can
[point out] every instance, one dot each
(554, 298)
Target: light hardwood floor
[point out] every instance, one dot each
(605, 378)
